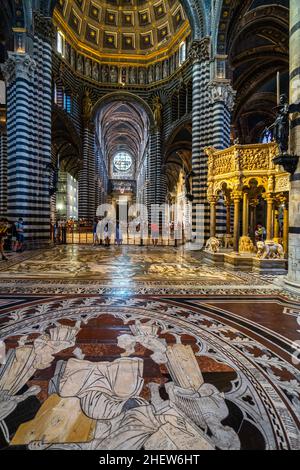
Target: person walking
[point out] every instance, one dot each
(95, 238)
(3, 235)
(63, 228)
(119, 238)
(106, 235)
(99, 232)
(20, 235)
(154, 233)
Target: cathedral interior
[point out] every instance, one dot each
(150, 225)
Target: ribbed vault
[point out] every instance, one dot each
(122, 125)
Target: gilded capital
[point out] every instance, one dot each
(18, 65)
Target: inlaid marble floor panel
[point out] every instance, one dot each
(122, 264)
(179, 372)
(130, 348)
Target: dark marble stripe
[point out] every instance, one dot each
(294, 230)
(295, 123)
(295, 28)
(295, 73)
(295, 177)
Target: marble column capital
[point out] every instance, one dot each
(200, 50)
(44, 27)
(221, 90)
(18, 65)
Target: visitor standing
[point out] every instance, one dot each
(3, 235)
(95, 238)
(154, 233)
(63, 228)
(106, 235)
(119, 238)
(20, 235)
(99, 232)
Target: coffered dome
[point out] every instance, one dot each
(108, 28)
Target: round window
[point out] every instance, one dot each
(122, 161)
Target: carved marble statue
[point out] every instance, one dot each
(269, 250)
(157, 110)
(150, 75)
(281, 125)
(165, 69)
(212, 245)
(157, 72)
(141, 76)
(87, 67)
(79, 64)
(105, 74)
(95, 71)
(132, 75)
(113, 74)
(87, 105)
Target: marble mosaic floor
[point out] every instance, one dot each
(144, 349)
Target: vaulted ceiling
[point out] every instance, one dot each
(122, 125)
(255, 35)
(112, 27)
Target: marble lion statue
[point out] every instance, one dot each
(213, 245)
(269, 250)
(228, 241)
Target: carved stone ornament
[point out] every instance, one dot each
(18, 66)
(222, 91)
(44, 27)
(200, 50)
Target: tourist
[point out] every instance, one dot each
(95, 238)
(20, 235)
(99, 232)
(119, 238)
(3, 235)
(57, 231)
(154, 233)
(106, 235)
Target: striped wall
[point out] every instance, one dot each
(3, 173)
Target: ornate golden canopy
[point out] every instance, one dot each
(115, 29)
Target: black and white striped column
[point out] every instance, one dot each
(222, 98)
(154, 166)
(28, 79)
(293, 278)
(3, 172)
(87, 177)
(201, 130)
